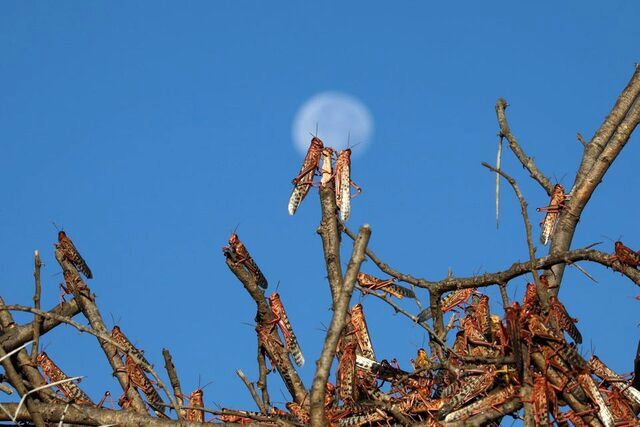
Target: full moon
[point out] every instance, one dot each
(340, 119)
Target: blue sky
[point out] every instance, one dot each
(149, 130)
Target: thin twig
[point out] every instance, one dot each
(36, 304)
(174, 380)
(262, 376)
(581, 139)
(385, 267)
(252, 390)
(527, 162)
(498, 166)
(542, 291)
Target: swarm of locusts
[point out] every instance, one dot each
(529, 354)
(486, 361)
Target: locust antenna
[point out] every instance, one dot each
(277, 286)
(56, 226)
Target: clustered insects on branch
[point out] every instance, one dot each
(487, 364)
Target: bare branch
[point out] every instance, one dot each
(330, 234)
(600, 154)
(89, 416)
(266, 320)
(174, 380)
(526, 161)
(91, 312)
(16, 381)
(385, 267)
(542, 291)
(252, 390)
(18, 335)
(24, 364)
(262, 378)
(102, 337)
(338, 322)
(36, 304)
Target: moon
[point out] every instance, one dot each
(341, 119)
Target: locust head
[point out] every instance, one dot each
(316, 143)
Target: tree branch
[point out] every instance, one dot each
(36, 304)
(18, 335)
(338, 322)
(611, 139)
(541, 290)
(91, 312)
(330, 235)
(266, 320)
(526, 161)
(101, 336)
(16, 382)
(174, 381)
(385, 267)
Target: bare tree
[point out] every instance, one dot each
(520, 363)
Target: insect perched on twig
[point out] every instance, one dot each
(625, 255)
(368, 281)
(342, 174)
(362, 332)
(121, 338)
(69, 252)
(304, 180)
(74, 284)
(196, 401)
(238, 253)
(556, 204)
(136, 376)
(563, 320)
(54, 374)
(281, 319)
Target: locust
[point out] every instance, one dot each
(483, 314)
(53, 373)
(556, 204)
(603, 371)
(196, 401)
(492, 401)
(238, 253)
(137, 377)
(121, 338)
(304, 180)
(74, 284)
(625, 255)
(342, 175)
(455, 299)
(368, 281)
(592, 391)
(281, 319)
(470, 389)
(70, 253)
(361, 331)
(346, 373)
(563, 320)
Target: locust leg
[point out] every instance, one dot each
(358, 189)
(296, 180)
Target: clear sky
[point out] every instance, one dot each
(150, 130)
